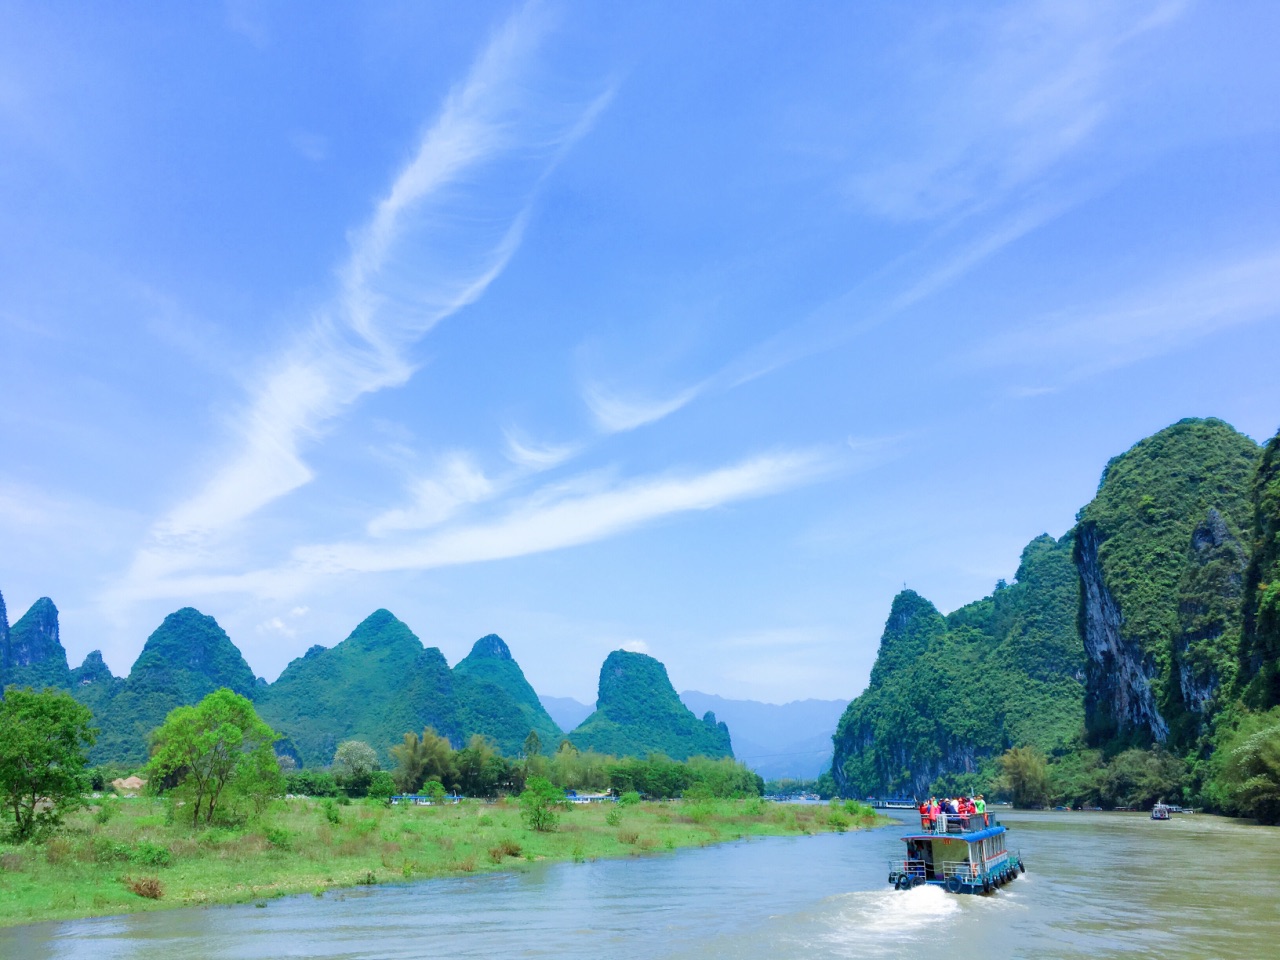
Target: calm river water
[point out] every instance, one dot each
(1098, 885)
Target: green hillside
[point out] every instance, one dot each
(638, 713)
(376, 685)
(947, 694)
(187, 657)
(495, 699)
(1154, 623)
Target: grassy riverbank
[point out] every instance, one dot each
(123, 857)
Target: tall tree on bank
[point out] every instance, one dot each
(43, 742)
(218, 748)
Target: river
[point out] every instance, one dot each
(1098, 885)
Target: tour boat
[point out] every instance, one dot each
(960, 854)
(1160, 811)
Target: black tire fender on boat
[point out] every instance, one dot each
(953, 884)
(986, 885)
(1022, 866)
(903, 883)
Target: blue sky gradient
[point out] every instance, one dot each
(694, 329)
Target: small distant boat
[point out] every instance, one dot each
(1161, 811)
(957, 858)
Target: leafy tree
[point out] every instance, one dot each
(381, 785)
(354, 758)
(1024, 775)
(480, 768)
(532, 744)
(353, 764)
(312, 783)
(42, 756)
(539, 803)
(216, 749)
(1248, 762)
(419, 758)
(1138, 778)
(434, 789)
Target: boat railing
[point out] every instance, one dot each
(915, 868)
(967, 872)
(956, 823)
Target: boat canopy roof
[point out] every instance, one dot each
(973, 837)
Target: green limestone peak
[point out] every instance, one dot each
(33, 654)
(188, 657)
(93, 670)
(185, 659)
(949, 693)
(913, 624)
(376, 685)
(491, 647)
(638, 712)
(495, 699)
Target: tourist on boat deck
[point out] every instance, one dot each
(926, 822)
(980, 807)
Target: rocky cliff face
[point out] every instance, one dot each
(1118, 692)
(1259, 661)
(1161, 560)
(1210, 601)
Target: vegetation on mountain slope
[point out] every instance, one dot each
(496, 701)
(376, 685)
(949, 694)
(638, 712)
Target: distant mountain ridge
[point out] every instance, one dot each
(566, 711)
(376, 685)
(790, 740)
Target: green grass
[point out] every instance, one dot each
(94, 864)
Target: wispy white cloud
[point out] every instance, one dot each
(1147, 322)
(549, 523)
(1031, 88)
(533, 455)
(976, 251)
(614, 413)
(457, 482)
(277, 626)
(447, 226)
(556, 517)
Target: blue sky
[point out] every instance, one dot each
(697, 329)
